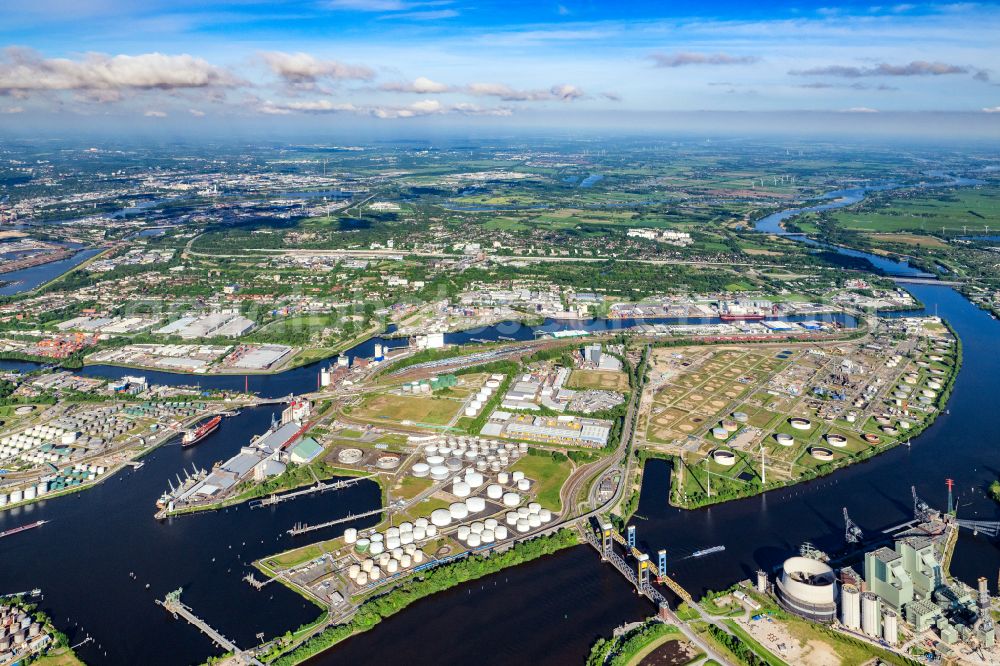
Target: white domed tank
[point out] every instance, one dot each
(377, 548)
(418, 556)
(439, 472)
(475, 479)
(494, 491)
(500, 532)
(487, 536)
(517, 476)
(392, 532)
(420, 522)
(392, 542)
(453, 464)
(419, 533)
(534, 521)
(354, 570)
(376, 573)
(463, 532)
(350, 535)
(523, 512)
(461, 489)
(511, 517)
(406, 537)
(362, 579)
(367, 564)
(490, 523)
(476, 504)
(522, 525)
(477, 527)
(406, 561)
(432, 531)
(511, 499)
(435, 460)
(534, 507)
(503, 478)
(524, 485)
(431, 450)
(458, 510)
(421, 470)
(440, 518)
(474, 540)
(392, 567)
(545, 515)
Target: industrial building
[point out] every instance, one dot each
(807, 587)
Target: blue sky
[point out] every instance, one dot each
(397, 60)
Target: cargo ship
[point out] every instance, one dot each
(742, 316)
(192, 437)
(23, 528)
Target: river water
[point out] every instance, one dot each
(546, 612)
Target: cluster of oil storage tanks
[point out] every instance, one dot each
(451, 455)
(28, 444)
(17, 630)
(527, 518)
(485, 393)
(69, 477)
(385, 554)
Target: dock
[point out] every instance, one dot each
(172, 602)
(321, 487)
(302, 529)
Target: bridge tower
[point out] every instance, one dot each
(662, 569)
(607, 529)
(951, 484)
(631, 536)
(643, 564)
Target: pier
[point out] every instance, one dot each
(302, 529)
(172, 602)
(320, 487)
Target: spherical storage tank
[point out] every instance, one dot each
(806, 587)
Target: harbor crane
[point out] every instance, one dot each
(852, 533)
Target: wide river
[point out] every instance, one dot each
(103, 548)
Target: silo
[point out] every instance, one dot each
(890, 627)
(870, 614)
(850, 606)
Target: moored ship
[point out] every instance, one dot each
(192, 437)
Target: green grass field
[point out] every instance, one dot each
(548, 477)
(398, 408)
(958, 211)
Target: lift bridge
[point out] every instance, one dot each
(644, 568)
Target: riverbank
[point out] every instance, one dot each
(411, 590)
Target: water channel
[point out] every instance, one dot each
(546, 612)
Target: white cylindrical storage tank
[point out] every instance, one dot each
(421, 469)
(534, 521)
(512, 517)
(440, 518)
(463, 532)
(503, 478)
(16, 496)
(523, 512)
(439, 472)
(392, 542)
(362, 545)
(419, 533)
(500, 532)
(350, 535)
(475, 540)
(392, 567)
(488, 536)
(432, 531)
(474, 479)
(375, 574)
(545, 515)
(534, 507)
(437, 459)
(458, 510)
(517, 476)
(511, 499)
(29, 493)
(890, 626)
(850, 606)
(406, 561)
(461, 489)
(406, 537)
(392, 532)
(870, 614)
(362, 579)
(377, 548)
(523, 485)
(354, 570)
(476, 504)
(522, 525)
(494, 491)
(477, 527)
(420, 522)
(42, 488)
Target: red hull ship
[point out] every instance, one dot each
(192, 437)
(749, 316)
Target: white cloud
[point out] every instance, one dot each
(685, 58)
(12, 109)
(420, 85)
(302, 70)
(991, 109)
(152, 113)
(860, 109)
(914, 68)
(25, 70)
(563, 92)
(196, 113)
